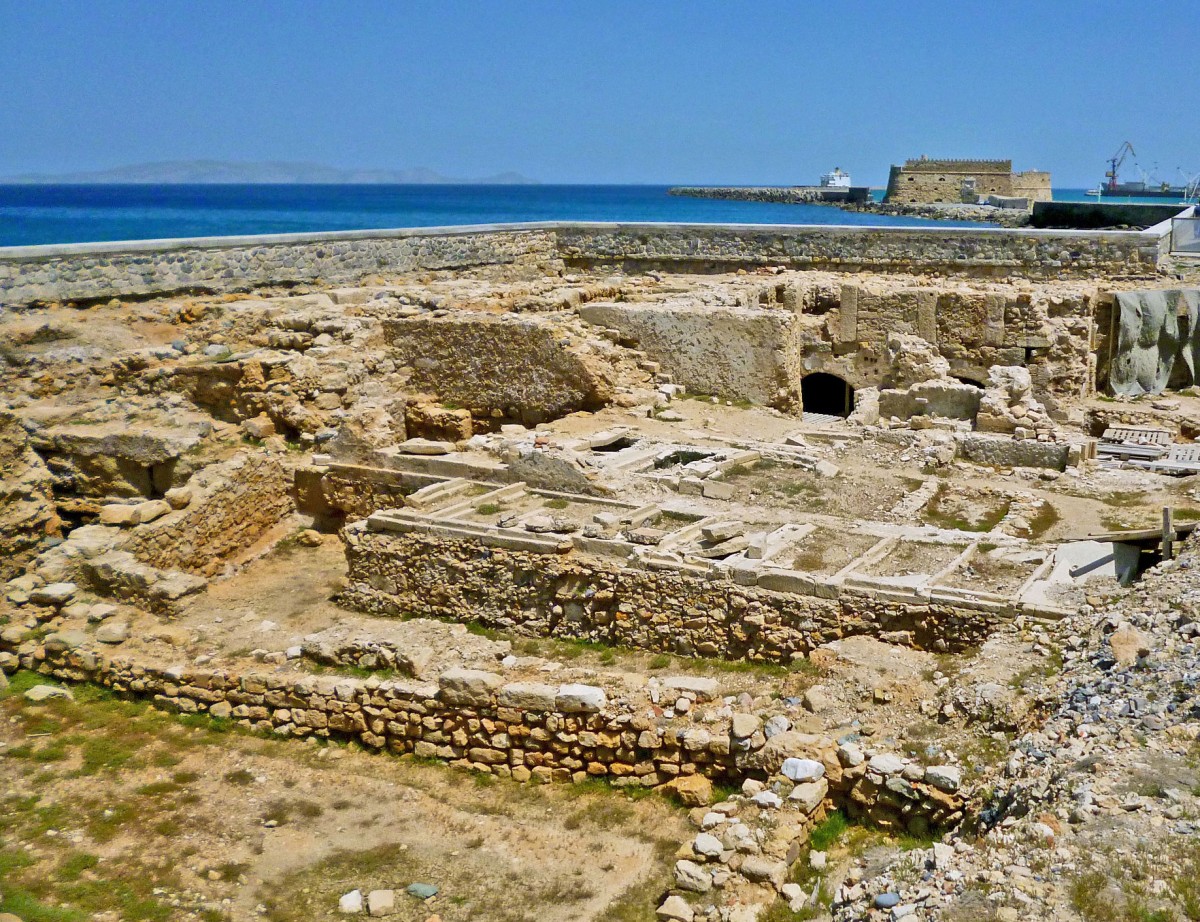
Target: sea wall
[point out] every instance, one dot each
(94, 271)
(99, 271)
(573, 595)
(971, 251)
(786, 195)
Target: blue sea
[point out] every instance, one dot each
(31, 215)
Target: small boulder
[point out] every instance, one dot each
(579, 699)
(690, 790)
(692, 876)
(381, 902)
(55, 594)
(351, 903)
(113, 632)
(46, 692)
(422, 891)
(802, 770)
(675, 909)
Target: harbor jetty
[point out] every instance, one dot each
(788, 195)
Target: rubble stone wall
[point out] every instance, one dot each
(522, 731)
(27, 511)
(232, 505)
(575, 596)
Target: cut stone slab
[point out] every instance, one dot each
(716, 489)
(149, 511)
(722, 531)
(55, 594)
(425, 447)
(764, 870)
(527, 696)
(743, 726)
(579, 699)
(725, 548)
(121, 514)
(703, 689)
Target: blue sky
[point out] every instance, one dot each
(648, 91)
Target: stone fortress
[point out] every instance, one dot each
(714, 444)
(936, 181)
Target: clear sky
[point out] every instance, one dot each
(650, 91)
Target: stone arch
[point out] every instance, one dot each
(821, 392)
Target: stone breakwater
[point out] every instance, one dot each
(572, 595)
(94, 272)
(786, 195)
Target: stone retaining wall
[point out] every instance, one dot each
(522, 731)
(232, 504)
(578, 596)
(99, 271)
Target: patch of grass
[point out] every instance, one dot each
(828, 831)
(557, 503)
(1045, 519)
(282, 811)
(659, 661)
(240, 777)
(488, 508)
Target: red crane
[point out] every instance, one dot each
(1114, 163)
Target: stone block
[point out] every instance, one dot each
(527, 696)
(468, 686)
(579, 699)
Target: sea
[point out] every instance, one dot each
(47, 214)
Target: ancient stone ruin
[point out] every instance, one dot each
(792, 527)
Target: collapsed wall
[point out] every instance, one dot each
(27, 510)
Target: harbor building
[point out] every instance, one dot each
(926, 181)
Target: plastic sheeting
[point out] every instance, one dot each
(1158, 341)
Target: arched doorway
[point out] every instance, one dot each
(827, 394)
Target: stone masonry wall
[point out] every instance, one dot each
(232, 505)
(576, 596)
(973, 251)
(523, 731)
(92, 271)
(88, 272)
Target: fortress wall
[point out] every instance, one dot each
(89, 272)
(907, 186)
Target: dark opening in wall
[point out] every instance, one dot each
(825, 393)
(974, 382)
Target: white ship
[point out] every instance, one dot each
(836, 179)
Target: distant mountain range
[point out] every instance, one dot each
(221, 171)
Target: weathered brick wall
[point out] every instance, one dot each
(576, 596)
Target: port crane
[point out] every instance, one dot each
(1114, 163)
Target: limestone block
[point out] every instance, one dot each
(675, 909)
(468, 686)
(946, 778)
(381, 902)
(703, 689)
(55, 594)
(692, 876)
(150, 510)
(808, 796)
(118, 514)
(527, 696)
(579, 699)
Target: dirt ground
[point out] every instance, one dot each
(114, 811)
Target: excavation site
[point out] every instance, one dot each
(600, 573)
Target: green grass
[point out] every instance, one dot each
(828, 831)
(488, 508)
